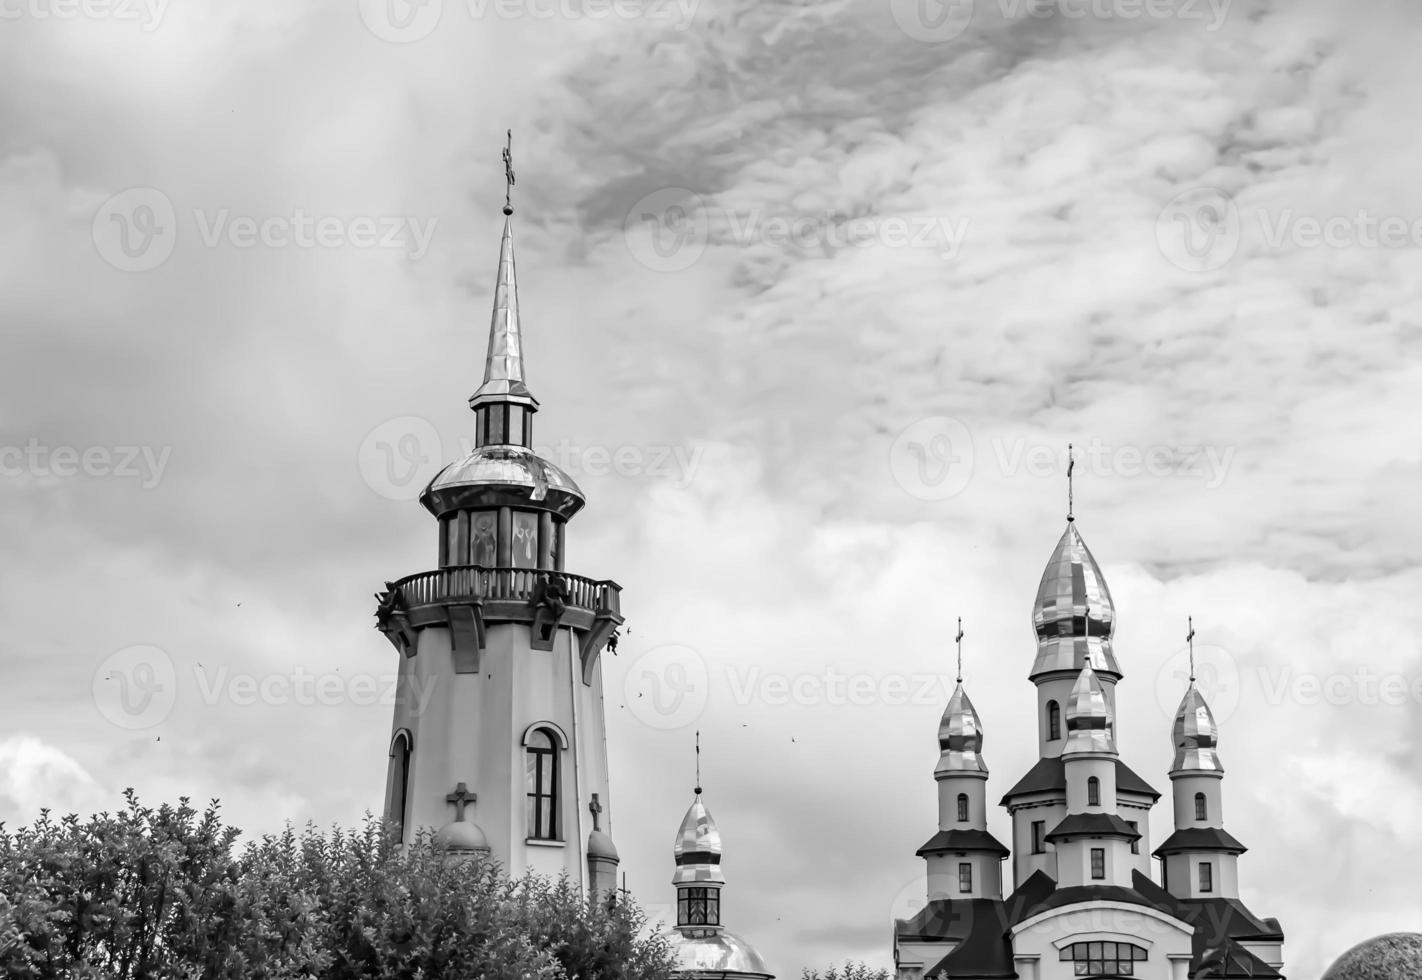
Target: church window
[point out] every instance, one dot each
(1207, 877)
(484, 538)
(1103, 959)
(525, 539)
(541, 783)
(1039, 836)
(399, 781)
(965, 877)
(962, 807)
(1098, 863)
(1135, 844)
(698, 907)
(1202, 809)
(1054, 721)
(1093, 792)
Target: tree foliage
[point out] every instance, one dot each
(163, 894)
(850, 971)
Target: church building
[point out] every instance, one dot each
(1083, 902)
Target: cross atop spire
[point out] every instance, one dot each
(1190, 639)
(959, 640)
(1071, 465)
(508, 175)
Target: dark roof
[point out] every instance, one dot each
(1049, 775)
(1093, 825)
(986, 952)
(962, 840)
(1219, 925)
(947, 918)
(1200, 839)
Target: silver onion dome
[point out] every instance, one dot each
(697, 849)
(1073, 616)
(960, 736)
(1089, 722)
(721, 954)
(1195, 735)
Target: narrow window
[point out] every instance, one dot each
(399, 782)
(541, 780)
(962, 807)
(1202, 809)
(1135, 844)
(698, 907)
(1093, 792)
(1098, 863)
(1207, 877)
(965, 878)
(1039, 836)
(1054, 721)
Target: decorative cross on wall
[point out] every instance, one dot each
(461, 797)
(596, 809)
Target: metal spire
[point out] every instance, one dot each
(503, 366)
(1071, 465)
(959, 640)
(698, 763)
(1190, 639)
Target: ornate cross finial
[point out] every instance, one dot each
(1190, 639)
(1071, 465)
(461, 797)
(698, 763)
(508, 175)
(596, 809)
(959, 640)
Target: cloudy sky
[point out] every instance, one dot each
(815, 296)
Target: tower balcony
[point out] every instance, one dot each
(467, 599)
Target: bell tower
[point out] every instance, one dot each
(498, 739)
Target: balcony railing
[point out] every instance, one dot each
(462, 583)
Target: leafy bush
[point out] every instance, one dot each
(162, 895)
(850, 971)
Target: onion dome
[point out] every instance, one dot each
(697, 850)
(1073, 615)
(1195, 735)
(493, 475)
(960, 736)
(720, 954)
(1396, 956)
(1088, 717)
(462, 836)
(600, 846)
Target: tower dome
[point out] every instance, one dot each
(960, 736)
(1073, 615)
(1089, 719)
(1195, 735)
(697, 849)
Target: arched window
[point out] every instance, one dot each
(1093, 792)
(399, 793)
(1104, 959)
(1202, 809)
(1054, 721)
(541, 782)
(962, 807)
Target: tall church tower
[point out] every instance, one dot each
(498, 739)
